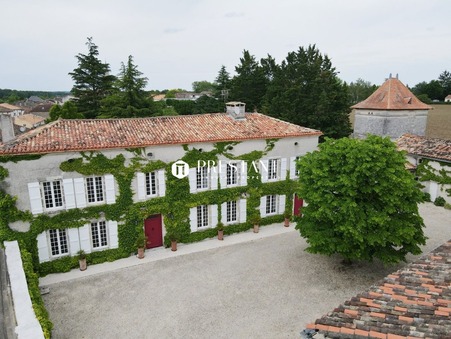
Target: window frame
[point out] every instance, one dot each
(231, 210)
(59, 243)
(94, 188)
(274, 169)
(53, 194)
(203, 217)
(271, 204)
(232, 174)
(202, 178)
(151, 183)
(97, 233)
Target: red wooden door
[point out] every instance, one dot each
(154, 231)
(297, 205)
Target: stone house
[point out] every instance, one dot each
(93, 185)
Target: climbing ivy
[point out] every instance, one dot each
(426, 172)
(174, 206)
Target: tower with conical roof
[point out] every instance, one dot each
(392, 110)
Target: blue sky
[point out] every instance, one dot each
(176, 42)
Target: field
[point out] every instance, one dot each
(439, 122)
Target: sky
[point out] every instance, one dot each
(177, 42)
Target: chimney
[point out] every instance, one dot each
(236, 110)
(7, 128)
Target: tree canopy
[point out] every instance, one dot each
(362, 202)
(306, 90)
(92, 81)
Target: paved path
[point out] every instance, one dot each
(259, 287)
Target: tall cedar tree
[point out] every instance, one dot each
(129, 99)
(92, 81)
(222, 84)
(362, 202)
(249, 85)
(305, 90)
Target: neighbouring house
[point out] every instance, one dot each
(190, 95)
(159, 97)
(42, 110)
(94, 185)
(28, 121)
(414, 302)
(392, 110)
(448, 98)
(12, 110)
(432, 159)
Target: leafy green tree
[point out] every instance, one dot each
(360, 90)
(306, 91)
(432, 89)
(362, 202)
(182, 107)
(222, 83)
(249, 85)
(203, 86)
(67, 111)
(206, 104)
(445, 81)
(92, 81)
(129, 98)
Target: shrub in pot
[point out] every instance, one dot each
(82, 260)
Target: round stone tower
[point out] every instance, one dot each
(391, 111)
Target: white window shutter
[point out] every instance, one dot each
(193, 219)
(243, 174)
(213, 209)
(69, 193)
(43, 247)
(192, 180)
(263, 206)
(281, 204)
(292, 167)
(74, 240)
(242, 210)
(224, 213)
(34, 192)
(80, 196)
(264, 170)
(223, 175)
(214, 178)
(112, 228)
(141, 183)
(109, 189)
(85, 239)
(283, 169)
(161, 183)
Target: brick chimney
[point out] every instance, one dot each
(236, 110)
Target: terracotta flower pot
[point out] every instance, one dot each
(82, 263)
(220, 235)
(173, 245)
(140, 253)
(286, 222)
(256, 227)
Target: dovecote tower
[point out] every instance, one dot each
(392, 110)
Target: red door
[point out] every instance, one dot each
(153, 230)
(297, 205)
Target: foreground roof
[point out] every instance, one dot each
(86, 135)
(432, 148)
(392, 95)
(413, 302)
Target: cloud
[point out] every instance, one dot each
(234, 15)
(173, 30)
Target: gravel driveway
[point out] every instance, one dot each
(267, 288)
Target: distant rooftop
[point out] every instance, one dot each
(392, 95)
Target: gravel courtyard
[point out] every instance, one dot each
(267, 288)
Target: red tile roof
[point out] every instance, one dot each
(392, 95)
(413, 302)
(85, 135)
(432, 148)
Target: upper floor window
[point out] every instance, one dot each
(151, 183)
(294, 172)
(95, 189)
(58, 242)
(202, 178)
(273, 169)
(232, 174)
(53, 194)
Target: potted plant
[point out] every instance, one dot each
(173, 238)
(141, 243)
(82, 260)
(220, 228)
(256, 222)
(287, 216)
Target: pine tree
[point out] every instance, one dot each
(92, 81)
(222, 84)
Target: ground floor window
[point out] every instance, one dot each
(58, 242)
(99, 234)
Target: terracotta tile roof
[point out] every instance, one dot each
(5, 107)
(439, 149)
(84, 135)
(413, 302)
(392, 95)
